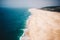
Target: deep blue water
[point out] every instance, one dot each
(12, 20)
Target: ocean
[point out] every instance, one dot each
(12, 20)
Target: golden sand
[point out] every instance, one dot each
(43, 25)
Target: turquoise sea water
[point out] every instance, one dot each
(12, 20)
